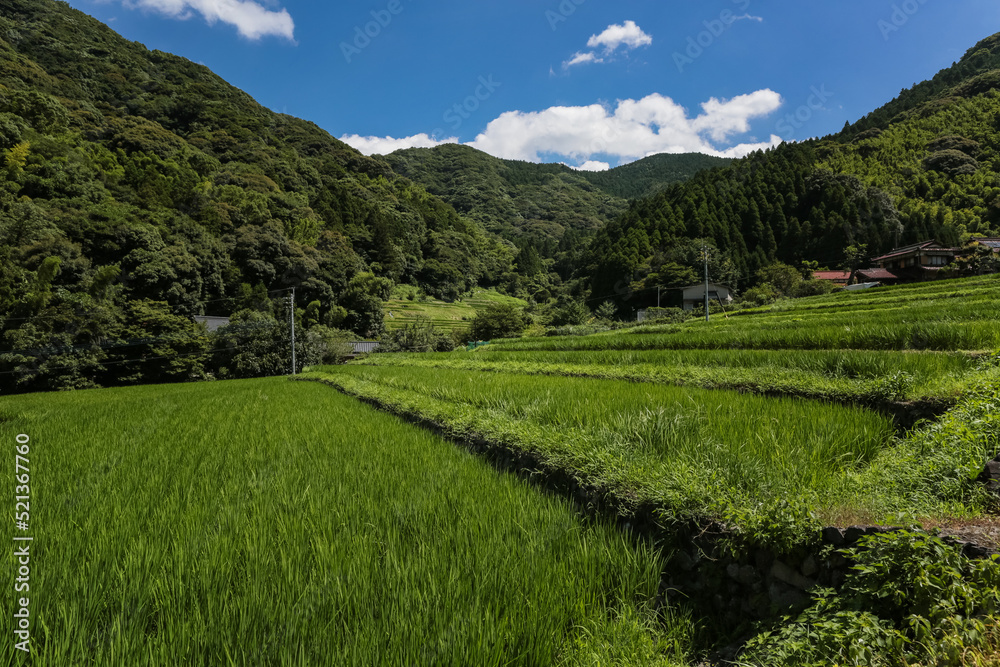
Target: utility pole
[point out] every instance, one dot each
(291, 304)
(706, 283)
(657, 296)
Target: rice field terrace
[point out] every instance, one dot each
(407, 307)
(277, 522)
(939, 316)
(774, 467)
(269, 522)
(923, 342)
(766, 425)
(861, 376)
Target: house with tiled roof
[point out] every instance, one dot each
(919, 258)
(920, 261)
(876, 275)
(838, 278)
(991, 243)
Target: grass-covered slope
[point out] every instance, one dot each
(917, 342)
(280, 523)
(408, 307)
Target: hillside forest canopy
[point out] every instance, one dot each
(138, 190)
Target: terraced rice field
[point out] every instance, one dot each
(445, 316)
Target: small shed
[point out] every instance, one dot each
(884, 276)
(212, 322)
(364, 346)
(695, 295)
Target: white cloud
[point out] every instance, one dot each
(592, 165)
(386, 145)
(252, 20)
(725, 117)
(583, 57)
(632, 130)
(614, 36)
(749, 17)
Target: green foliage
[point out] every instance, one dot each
(812, 287)
(548, 210)
(568, 312)
(909, 598)
(118, 156)
(605, 311)
(417, 336)
(666, 315)
(923, 166)
(364, 301)
(325, 345)
(782, 277)
(254, 344)
(498, 320)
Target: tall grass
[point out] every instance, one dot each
(697, 452)
(268, 522)
(835, 374)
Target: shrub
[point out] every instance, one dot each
(499, 320)
(909, 598)
(812, 287)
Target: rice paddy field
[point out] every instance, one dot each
(278, 522)
(772, 424)
(938, 316)
(268, 522)
(917, 342)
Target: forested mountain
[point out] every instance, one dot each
(137, 181)
(523, 201)
(923, 166)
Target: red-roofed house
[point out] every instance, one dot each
(838, 278)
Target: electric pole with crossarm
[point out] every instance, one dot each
(291, 317)
(706, 282)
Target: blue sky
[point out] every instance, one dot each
(591, 83)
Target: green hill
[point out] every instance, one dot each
(107, 139)
(923, 166)
(135, 181)
(539, 202)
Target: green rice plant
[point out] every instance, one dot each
(946, 316)
(846, 375)
(696, 453)
(281, 523)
